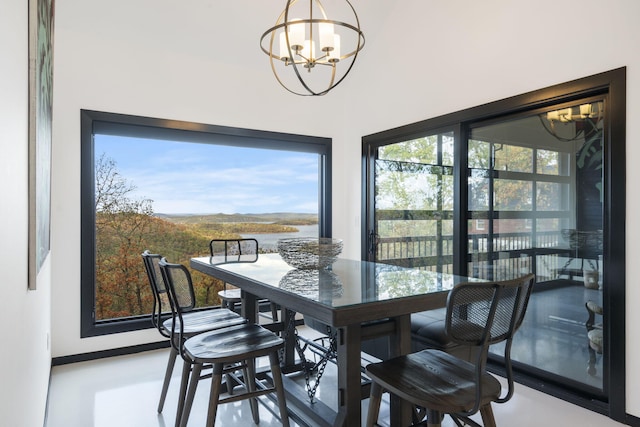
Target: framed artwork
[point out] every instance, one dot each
(41, 14)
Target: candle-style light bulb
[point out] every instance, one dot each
(334, 55)
(296, 34)
(284, 49)
(326, 36)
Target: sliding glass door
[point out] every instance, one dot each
(535, 204)
(530, 184)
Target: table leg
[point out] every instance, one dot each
(400, 343)
(249, 306)
(289, 334)
(349, 377)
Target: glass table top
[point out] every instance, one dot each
(344, 283)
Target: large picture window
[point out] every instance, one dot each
(162, 186)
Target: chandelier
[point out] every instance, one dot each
(310, 56)
(569, 124)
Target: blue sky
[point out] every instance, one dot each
(202, 178)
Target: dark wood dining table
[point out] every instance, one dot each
(361, 300)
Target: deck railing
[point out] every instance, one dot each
(506, 255)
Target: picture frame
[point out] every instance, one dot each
(41, 20)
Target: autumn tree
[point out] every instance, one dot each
(122, 223)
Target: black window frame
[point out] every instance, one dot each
(92, 122)
(611, 84)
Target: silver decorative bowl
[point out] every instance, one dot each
(317, 284)
(307, 253)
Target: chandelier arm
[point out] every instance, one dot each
(302, 82)
(282, 83)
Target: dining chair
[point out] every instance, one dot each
(194, 322)
(594, 334)
(226, 349)
(230, 298)
(479, 314)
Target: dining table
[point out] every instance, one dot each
(358, 299)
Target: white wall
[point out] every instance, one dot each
(25, 315)
(157, 59)
(201, 63)
(465, 54)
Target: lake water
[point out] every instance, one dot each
(270, 241)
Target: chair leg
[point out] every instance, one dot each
(274, 361)
(487, 416)
(188, 401)
(251, 387)
(214, 396)
(434, 418)
(374, 404)
(229, 381)
(184, 381)
(245, 375)
(167, 378)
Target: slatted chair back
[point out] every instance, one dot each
(182, 298)
(237, 250)
(491, 312)
(484, 313)
(179, 285)
(158, 289)
(233, 247)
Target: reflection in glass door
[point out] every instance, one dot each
(535, 204)
(413, 217)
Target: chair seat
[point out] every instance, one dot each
(596, 339)
(230, 295)
(428, 326)
(206, 320)
(428, 332)
(451, 381)
(226, 345)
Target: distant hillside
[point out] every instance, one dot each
(277, 217)
(175, 241)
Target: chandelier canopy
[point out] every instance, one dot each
(309, 56)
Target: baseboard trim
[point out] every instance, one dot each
(632, 420)
(547, 386)
(122, 351)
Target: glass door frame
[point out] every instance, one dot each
(610, 85)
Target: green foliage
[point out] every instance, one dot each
(237, 228)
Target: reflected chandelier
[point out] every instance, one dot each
(313, 54)
(572, 123)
